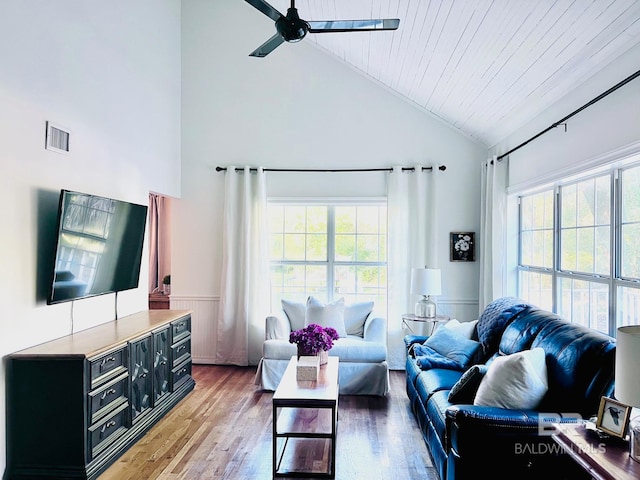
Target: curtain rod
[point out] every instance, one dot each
(575, 112)
(442, 168)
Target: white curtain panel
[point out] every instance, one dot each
(413, 234)
(159, 241)
(244, 290)
(493, 231)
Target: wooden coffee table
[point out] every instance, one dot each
(305, 417)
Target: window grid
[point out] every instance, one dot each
(354, 262)
(594, 278)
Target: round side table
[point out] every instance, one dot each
(413, 323)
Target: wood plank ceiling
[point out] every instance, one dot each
(483, 66)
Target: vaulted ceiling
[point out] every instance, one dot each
(483, 66)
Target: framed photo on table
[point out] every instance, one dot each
(462, 247)
(613, 417)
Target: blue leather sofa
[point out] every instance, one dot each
(469, 441)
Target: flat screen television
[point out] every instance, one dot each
(98, 246)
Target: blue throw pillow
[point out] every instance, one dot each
(464, 390)
(453, 346)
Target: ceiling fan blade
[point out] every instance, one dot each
(267, 47)
(265, 8)
(353, 25)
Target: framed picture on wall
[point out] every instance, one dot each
(462, 246)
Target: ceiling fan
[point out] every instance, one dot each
(291, 28)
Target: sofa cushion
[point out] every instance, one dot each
(435, 380)
(495, 318)
(355, 315)
(464, 390)
(517, 381)
(296, 313)
(326, 315)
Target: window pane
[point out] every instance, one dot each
(630, 261)
(630, 228)
(345, 248)
(628, 306)
(275, 218)
(317, 219)
(294, 219)
(537, 289)
(345, 219)
(276, 246)
(367, 248)
(316, 247)
(585, 226)
(294, 248)
(367, 221)
(536, 234)
(584, 302)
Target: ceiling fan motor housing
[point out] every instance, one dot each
(291, 27)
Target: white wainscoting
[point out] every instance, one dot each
(203, 324)
(463, 310)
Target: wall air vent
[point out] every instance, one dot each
(57, 138)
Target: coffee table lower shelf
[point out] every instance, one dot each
(305, 420)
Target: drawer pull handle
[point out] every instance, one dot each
(142, 375)
(183, 370)
(181, 347)
(107, 360)
(111, 391)
(163, 362)
(107, 425)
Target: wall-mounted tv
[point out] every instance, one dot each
(98, 246)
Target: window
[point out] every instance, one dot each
(328, 251)
(579, 248)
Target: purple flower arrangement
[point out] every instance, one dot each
(313, 338)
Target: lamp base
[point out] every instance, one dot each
(425, 307)
(634, 439)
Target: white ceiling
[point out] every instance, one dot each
(483, 66)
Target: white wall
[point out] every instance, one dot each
(608, 126)
(109, 71)
(297, 108)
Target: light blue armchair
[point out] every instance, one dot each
(363, 368)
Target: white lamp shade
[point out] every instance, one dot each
(426, 281)
(627, 388)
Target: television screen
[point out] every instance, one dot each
(99, 246)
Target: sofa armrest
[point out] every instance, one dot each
(375, 329)
(469, 424)
(277, 327)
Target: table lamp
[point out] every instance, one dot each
(627, 389)
(426, 282)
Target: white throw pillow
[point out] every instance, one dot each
(517, 381)
(295, 312)
(355, 315)
(465, 329)
(329, 315)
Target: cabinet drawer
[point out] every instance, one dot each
(180, 374)
(181, 351)
(108, 397)
(102, 434)
(108, 365)
(181, 328)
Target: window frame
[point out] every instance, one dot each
(331, 263)
(614, 280)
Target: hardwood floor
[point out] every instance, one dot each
(222, 430)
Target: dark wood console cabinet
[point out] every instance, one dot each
(75, 404)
